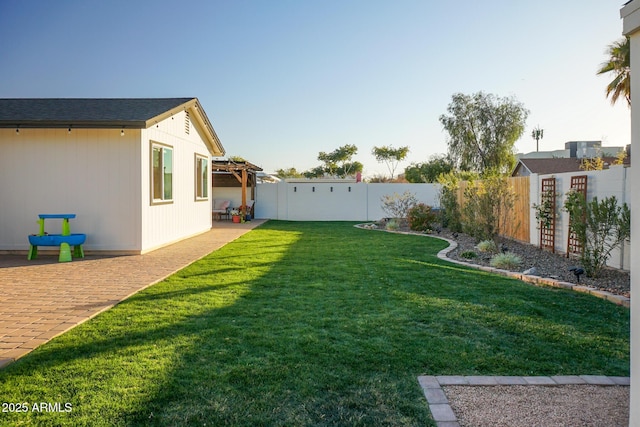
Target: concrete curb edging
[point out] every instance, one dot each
(444, 416)
(533, 280)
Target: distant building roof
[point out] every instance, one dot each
(526, 167)
(546, 166)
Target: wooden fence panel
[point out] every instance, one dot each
(516, 225)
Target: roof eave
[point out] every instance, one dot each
(213, 142)
(88, 124)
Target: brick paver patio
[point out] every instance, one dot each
(43, 298)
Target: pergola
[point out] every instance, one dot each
(229, 173)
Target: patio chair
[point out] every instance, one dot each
(220, 208)
(250, 206)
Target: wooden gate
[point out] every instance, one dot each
(578, 184)
(548, 223)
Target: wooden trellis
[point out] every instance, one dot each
(548, 224)
(578, 184)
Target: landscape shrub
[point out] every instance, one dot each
(448, 197)
(469, 254)
(599, 226)
(421, 217)
(487, 206)
(392, 225)
(398, 205)
(487, 246)
(506, 261)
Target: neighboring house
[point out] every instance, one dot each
(526, 167)
(135, 171)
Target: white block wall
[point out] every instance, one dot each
(333, 201)
(606, 183)
(339, 201)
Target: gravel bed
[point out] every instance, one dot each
(546, 263)
(525, 406)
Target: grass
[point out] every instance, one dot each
(310, 324)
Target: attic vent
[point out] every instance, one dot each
(187, 122)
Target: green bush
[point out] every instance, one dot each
(421, 217)
(448, 196)
(469, 254)
(599, 226)
(487, 206)
(506, 261)
(487, 246)
(392, 225)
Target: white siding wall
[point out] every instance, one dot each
(167, 223)
(314, 201)
(92, 173)
(631, 27)
(231, 193)
(104, 178)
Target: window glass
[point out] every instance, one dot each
(202, 175)
(162, 172)
(167, 173)
(157, 172)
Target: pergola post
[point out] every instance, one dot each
(244, 188)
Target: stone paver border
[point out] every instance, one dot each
(41, 299)
(444, 416)
(533, 280)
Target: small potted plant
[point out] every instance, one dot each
(245, 214)
(235, 215)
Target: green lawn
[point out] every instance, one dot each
(306, 324)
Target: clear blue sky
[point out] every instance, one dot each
(283, 80)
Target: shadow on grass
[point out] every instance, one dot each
(330, 326)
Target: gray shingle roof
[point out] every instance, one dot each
(557, 165)
(84, 112)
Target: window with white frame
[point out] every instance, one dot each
(161, 172)
(202, 177)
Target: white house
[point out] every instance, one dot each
(630, 13)
(135, 171)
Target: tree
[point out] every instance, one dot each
(338, 162)
(428, 171)
(391, 156)
(317, 172)
(349, 168)
(592, 164)
(620, 157)
(483, 129)
(619, 66)
(288, 173)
